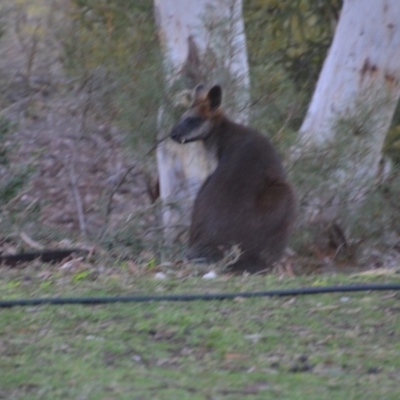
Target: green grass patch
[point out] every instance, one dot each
(332, 346)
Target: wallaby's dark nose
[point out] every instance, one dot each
(176, 134)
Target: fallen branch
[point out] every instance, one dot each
(30, 242)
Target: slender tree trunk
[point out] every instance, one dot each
(357, 93)
(203, 42)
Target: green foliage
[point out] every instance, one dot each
(3, 16)
(124, 242)
(287, 43)
(79, 276)
(113, 46)
(379, 215)
(139, 238)
(14, 180)
(392, 144)
(6, 126)
(296, 34)
(13, 184)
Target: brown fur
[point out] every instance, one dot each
(247, 200)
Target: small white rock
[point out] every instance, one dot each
(345, 299)
(160, 275)
(69, 265)
(210, 275)
(254, 337)
(92, 337)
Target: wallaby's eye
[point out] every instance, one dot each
(193, 122)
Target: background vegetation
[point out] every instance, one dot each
(86, 75)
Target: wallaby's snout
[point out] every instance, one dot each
(177, 134)
(189, 129)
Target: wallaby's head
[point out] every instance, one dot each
(197, 122)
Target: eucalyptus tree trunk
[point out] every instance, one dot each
(355, 99)
(203, 41)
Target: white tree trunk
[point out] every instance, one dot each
(203, 39)
(358, 88)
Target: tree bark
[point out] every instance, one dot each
(357, 93)
(203, 41)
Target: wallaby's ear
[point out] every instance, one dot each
(214, 96)
(199, 92)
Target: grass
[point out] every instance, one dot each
(326, 346)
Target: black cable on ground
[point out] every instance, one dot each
(193, 297)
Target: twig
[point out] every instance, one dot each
(16, 198)
(16, 104)
(161, 228)
(79, 205)
(232, 255)
(78, 200)
(288, 118)
(125, 175)
(120, 182)
(30, 242)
